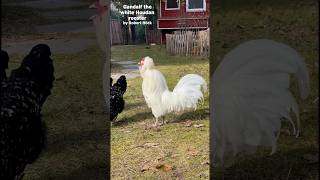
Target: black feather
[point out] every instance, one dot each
(4, 60)
(22, 132)
(116, 97)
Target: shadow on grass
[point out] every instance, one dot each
(198, 114)
(282, 165)
(86, 149)
(133, 119)
(79, 138)
(133, 105)
(93, 170)
(191, 115)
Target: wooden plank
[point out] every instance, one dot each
(188, 43)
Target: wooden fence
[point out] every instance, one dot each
(153, 36)
(188, 43)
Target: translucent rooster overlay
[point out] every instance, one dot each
(100, 23)
(251, 97)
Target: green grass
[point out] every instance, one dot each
(75, 119)
(296, 24)
(175, 142)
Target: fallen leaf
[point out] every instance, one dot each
(205, 163)
(164, 167)
(188, 123)
(152, 127)
(204, 175)
(61, 77)
(150, 144)
(240, 26)
(145, 167)
(174, 155)
(311, 157)
(179, 176)
(159, 158)
(193, 152)
(198, 125)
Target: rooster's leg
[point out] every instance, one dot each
(156, 123)
(163, 120)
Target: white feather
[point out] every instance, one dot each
(100, 24)
(251, 94)
(186, 95)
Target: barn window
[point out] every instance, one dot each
(196, 5)
(172, 4)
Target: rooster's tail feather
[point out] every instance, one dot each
(186, 95)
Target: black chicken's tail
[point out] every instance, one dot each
(122, 84)
(4, 60)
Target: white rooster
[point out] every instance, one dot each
(186, 95)
(100, 22)
(251, 95)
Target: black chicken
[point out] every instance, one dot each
(22, 132)
(116, 97)
(4, 60)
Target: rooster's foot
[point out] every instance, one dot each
(161, 124)
(164, 121)
(155, 125)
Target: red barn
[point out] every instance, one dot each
(183, 14)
